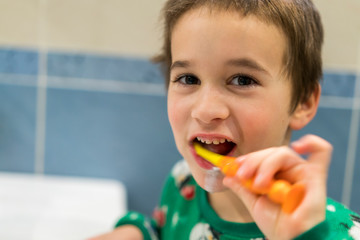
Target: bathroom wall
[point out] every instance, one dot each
(78, 96)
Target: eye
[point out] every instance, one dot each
(188, 80)
(242, 80)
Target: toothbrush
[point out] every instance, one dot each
(279, 191)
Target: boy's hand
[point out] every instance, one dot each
(126, 232)
(286, 163)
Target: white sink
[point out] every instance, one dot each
(34, 207)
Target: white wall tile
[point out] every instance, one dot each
(341, 21)
(18, 22)
(115, 26)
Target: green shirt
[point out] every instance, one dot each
(184, 213)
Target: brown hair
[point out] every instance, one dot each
(298, 19)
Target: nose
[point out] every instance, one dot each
(210, 106)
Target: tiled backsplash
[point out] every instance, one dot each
(105, 116)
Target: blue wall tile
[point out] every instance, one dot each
(338, 84)
(120, 136)
(103, 67)
(355, 200)
(333, 126)
(17, 128)
(18, 61)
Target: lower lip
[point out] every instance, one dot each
(200, 161)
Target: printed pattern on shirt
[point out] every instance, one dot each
(354, 231)
(203, 231)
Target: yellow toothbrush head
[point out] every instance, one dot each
(212, 157)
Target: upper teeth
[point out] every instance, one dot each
(214, 141)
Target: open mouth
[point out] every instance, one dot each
(219, 145)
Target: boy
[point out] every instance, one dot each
(241, 75)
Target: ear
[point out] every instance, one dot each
(305, 111)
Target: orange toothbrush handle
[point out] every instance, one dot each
(279, 191)
(228, 166)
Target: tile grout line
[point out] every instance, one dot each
(94, 85)
(352, 141)
(140, 88)
(41, 92)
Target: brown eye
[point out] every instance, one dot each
(241, 80)
(188, 80)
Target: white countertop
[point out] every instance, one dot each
(34, 207)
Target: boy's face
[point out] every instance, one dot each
(226, 84)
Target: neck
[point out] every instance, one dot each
(229, 207)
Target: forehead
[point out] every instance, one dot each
(224, 35)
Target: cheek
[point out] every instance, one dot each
(174, 114)
(262, 127)
(178, 117)
(179, 110)
(264, 116)
(253, 119)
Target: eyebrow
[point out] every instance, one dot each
(248, 63)
(237, 62)
(180, 64)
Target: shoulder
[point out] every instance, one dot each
(334, 208)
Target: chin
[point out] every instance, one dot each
(211, 181)
(208, 179)
(214, 189)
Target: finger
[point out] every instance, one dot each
(257, 205)
(281, 160)
(318, 149)
(250, 163)
(294, 175)
(244, 194)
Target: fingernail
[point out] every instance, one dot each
(295, 144)
(241, 173)
(259, 181)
